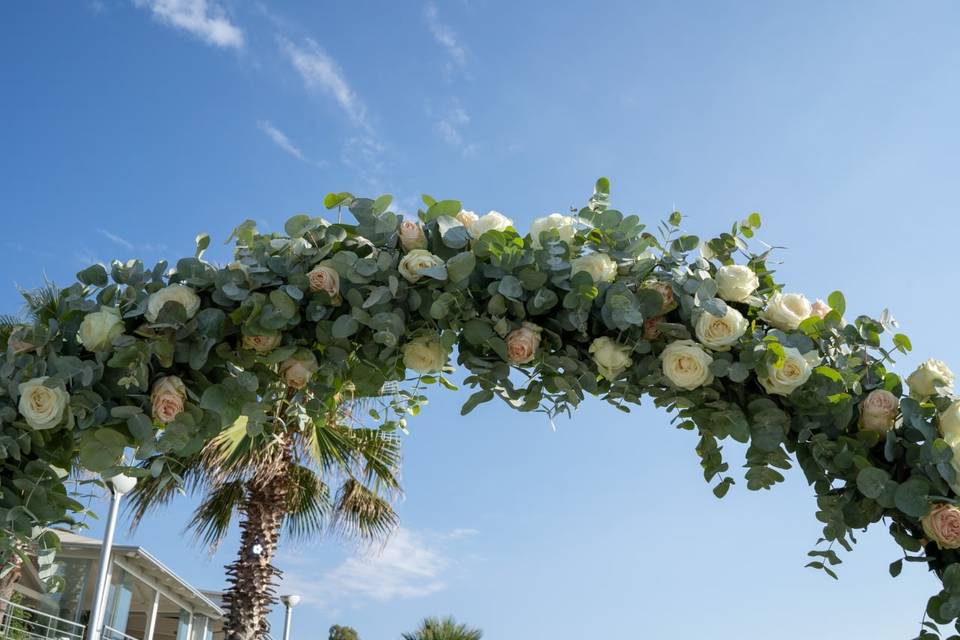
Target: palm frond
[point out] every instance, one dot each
(43, 303)
(361, 514)
(445, 629)
(211, 519)
(310, 503)
(151, 492)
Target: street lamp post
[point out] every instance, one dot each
(289, 602)
(119, 485)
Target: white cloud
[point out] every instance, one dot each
(280, 139)
(411, 565)
(203, 18)
(364, 155)
(443, 34)
(320, 73)
(126, 244)
(450, 127)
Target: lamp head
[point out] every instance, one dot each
(290, 601)
(122, 483)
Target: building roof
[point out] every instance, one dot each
(150, 565)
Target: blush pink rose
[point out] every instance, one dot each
(651, 328)
(942, 525)
(412, 236)
(820, 309)
(522, 343)
(878, 411)
(666, 292)
(167, 398)
(324, 279)
(262, 344)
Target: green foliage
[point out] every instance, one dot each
(343, 633)
(445, 629)
(331, 310)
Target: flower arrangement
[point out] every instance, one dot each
(159, 361)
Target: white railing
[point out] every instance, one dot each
(109, 633)
(23, 623)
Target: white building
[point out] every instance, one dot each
(146, 601)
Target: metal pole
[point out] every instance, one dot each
(289, 602)
(119, 485)
(100, 594)
(286, 623)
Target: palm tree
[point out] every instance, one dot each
(446, 629)
(280, 479)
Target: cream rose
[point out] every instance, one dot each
(179, 293)
(493, 221)
(736, 282)
(927, 377)
(666, 292)
(167, 398)
(599, 265)
(820, 309)
(416, 262)
(467, 218)
(425, 354)
(323, 278)
(262, 344)
(942, 525)
(299, 368)
(686, 365)
(786, 310)
(99, 329)
(565, 226)
(611, 357)
(412, 236)
(43, 407)
(796, 370)
(720, 333)
(878, 411)
(522, 343)
(950, 424)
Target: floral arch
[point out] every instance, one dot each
(162, 360)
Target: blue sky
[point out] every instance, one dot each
(128, 127)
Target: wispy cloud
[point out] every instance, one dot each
(444, 35)
(412, 565)
(450, 127)
(126, 244)
(203, 18)
(280, 139)
(320, 73)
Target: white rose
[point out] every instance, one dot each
(736, 282)
(522, 343)
(599, 265)
(878, 411)
(425, 354)
(792, 375)
(720, 334)
(686, 364)
(950, 424)
(611, 357)
(565, 226)
(786, 310)
(414, 263)
(42, 407)
(179, 293)
(467, 218)
(927, 377)
(412, 236)
(299, 368)
(493, 221)
(99, 329)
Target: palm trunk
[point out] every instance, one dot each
(250, 596)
